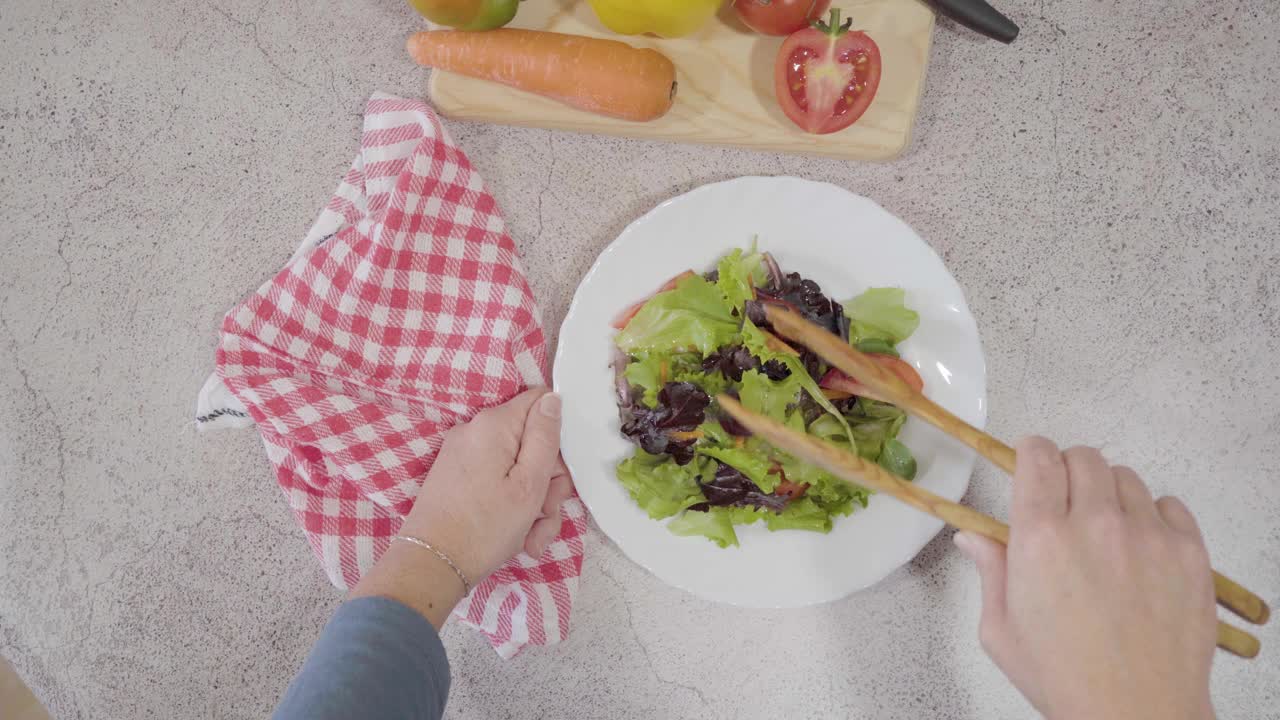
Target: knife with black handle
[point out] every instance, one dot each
(978, 16)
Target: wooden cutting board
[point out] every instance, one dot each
(725, 75)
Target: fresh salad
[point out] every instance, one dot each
(702, 335)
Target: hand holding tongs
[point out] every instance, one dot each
(887, 386)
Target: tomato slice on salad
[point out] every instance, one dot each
(790, 490)
(826, 75)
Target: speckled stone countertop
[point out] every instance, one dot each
(1106, 191)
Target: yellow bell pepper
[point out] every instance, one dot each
(668, 18)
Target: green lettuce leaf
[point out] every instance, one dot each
(661, 487)
(873, 423)
(747, 515)
(897, 459)
(802, 514)
(648, 370)
(837, 496)
(714, 434)
(768, 397)
(829, 491)
(694, 316)
(756, 343)
(716, 524)
(832, 493)
(877, 345)
(735, 279)
(712, 383)
(881, 313)
(831, 427)
(645, 373)
(831, 430)
(751, 460)
(755, 262)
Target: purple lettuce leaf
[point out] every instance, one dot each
(681, 407)
(730, 488)
(803, 296)
(732, 361)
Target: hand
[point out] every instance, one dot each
(496, 486)
(1102, 606)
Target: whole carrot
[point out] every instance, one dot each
(602, 76)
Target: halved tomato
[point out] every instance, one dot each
(826, 75)
(836, 380)
(625, 316)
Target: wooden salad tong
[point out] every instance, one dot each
(887, 386)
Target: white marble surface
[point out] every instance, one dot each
(1106, 190)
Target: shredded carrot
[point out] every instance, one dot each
(593, 74)
(685, 435)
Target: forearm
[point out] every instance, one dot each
(416, 578)
(376, 659)
(495, 488)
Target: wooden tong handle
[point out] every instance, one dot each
(1231, 594)
(860, 471)
(889, 387)
(855, 469)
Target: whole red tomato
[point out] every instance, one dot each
(780, 17)
(826, 76)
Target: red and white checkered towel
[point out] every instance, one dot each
(408, 317)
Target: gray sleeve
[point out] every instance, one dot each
(375, 659)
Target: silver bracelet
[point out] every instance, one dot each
(466, 585)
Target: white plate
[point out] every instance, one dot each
(846, 243)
